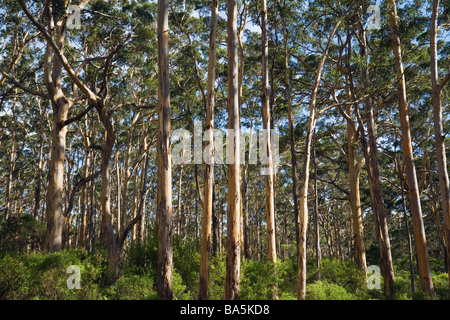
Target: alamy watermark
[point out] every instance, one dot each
(73, 281)
(374, 20)
(74, 19)
(373, 277)
(214, 154)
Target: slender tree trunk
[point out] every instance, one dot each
(84, 206)
(127, 174)
(165, 250)
(408, 233)
(208, 198)
(303, 213)
(316, 209)
(245, 200)
(118, 192)
(178, 216)
(37, 192)
(354, 169)
(215, 227)
(355, 198)
(291, 136)
(267, 129)
(234, 188)
(426, 281)
(11, 165)
(439, 131)
(142, 193)
(376, 193)
(134, 210)
(269, 172)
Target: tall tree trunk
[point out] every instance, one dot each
(215, 227)
(84, 206)
(316, 209)
(291, 135)
(234, 179)
(267, 129)
(426, 281)
(37, 190)
(269, 172)
(60, 104)
(355, 198)
(164, 210)
(209, 166)
(354, 168)
(109, 237)
(245, 210)
(373, 172)
(54, 208)
(178, 215)
(118, 192)
(303, 213)
(142, 193)
(11, 165)
(439, 131)
(408, 233)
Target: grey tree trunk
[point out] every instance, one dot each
(234, 175)
(164, 208)
(209, 166)
(303, 214)
(439, 133)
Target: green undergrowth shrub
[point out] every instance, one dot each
(324, 290)
(264, 280)
(217, 277)
(141, 259)
(441, 286)
(131, 287)
(343, 274)
(44, 275)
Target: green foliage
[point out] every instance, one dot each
(261, 280)
(44, 276)
(323, 290)
(13, 278)
(258, 280)
(17, 233)
(132, 287)
(179, 290)
(217, 278)
(441, 286)
(186, 259)
(344, 274)
(141, 259)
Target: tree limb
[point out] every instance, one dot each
(23, 87)
(65, 63)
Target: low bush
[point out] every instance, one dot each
(45, 276)
(324, 290)
(344, 274)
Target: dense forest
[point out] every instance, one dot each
(238, 149)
